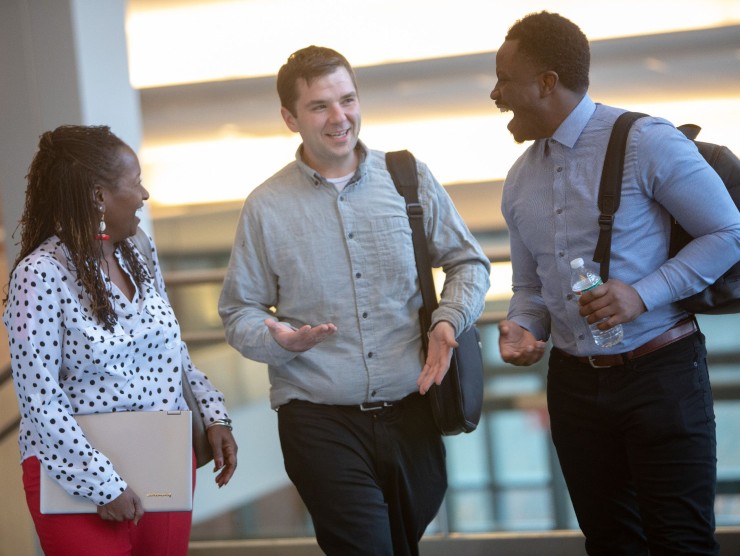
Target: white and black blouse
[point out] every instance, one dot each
(65, 363)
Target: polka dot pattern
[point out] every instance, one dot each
(65, 363)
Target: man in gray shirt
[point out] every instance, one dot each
(322, 286)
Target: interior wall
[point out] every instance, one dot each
(61, 62)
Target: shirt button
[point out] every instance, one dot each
(350, 235)
(559, 211)
(559, 169)
(364, 315)
(358, 275)
(581, 336)
(374, 393)
(370, 354)
(569, 296)
(561, 254)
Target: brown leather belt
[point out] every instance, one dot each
(678, 331)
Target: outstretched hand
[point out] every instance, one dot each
(303, 339)
(126, 507)
(518, 345)
(439, 353)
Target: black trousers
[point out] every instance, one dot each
(637, 447)
(372, 481)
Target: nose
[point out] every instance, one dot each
(145, 194)
(494, 92)
(336, 113)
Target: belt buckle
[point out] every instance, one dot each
(591, 362)
(374, 406)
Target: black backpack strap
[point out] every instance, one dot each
(402, 167)
(610, 189)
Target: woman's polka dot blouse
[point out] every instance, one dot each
(65, 363)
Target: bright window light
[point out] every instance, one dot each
(216, 40)
(227, 169)
(212, 171)
(500, 288)
(500, 282)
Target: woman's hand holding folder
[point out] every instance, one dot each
(127, 507)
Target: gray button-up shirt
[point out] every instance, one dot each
(306, 254)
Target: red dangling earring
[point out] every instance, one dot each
(101, 227)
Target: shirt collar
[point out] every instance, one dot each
(318, 178)
(572, 127)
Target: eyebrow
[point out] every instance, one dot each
(316, 102)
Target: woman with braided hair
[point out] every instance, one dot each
(81, 310)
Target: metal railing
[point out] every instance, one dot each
(5, 375)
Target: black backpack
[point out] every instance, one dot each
(724, 295)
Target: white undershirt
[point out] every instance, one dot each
(340, 183)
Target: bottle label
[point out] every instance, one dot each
(584, 286)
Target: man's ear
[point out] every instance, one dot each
(548, 81)
(289, 119)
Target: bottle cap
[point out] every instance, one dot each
(575, 263)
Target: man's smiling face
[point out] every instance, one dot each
(327, 116)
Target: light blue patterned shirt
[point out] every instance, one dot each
(550, 205)
(319, 256)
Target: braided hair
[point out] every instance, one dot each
(71, 160)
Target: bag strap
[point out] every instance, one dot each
(402, 167)
(610, 189)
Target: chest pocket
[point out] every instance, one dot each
(395, 250)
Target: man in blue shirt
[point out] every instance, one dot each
(322, 286)
(633, 424)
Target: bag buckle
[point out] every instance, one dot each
(415, 210)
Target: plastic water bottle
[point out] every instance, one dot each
(583, 280)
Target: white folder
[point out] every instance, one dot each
(150, 450)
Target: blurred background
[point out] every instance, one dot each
(190, 84)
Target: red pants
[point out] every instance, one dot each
(160, 533)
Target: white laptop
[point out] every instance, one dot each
(151, 450)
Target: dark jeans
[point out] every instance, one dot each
(372, 481)
(637, 446)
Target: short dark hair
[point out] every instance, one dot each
(553, 42)
(308, 63)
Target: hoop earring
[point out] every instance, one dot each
(101, 227)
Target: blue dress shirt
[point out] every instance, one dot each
(550, 205)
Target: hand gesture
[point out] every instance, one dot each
(299, 340)
(518, 345)
(439, 353)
